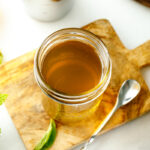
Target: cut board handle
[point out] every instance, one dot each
(140, 55)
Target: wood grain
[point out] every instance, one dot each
(24, 101)
(144, 2)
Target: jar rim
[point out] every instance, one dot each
(85, 96)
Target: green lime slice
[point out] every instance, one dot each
(3, 98)
(1, 57)
(48, 138)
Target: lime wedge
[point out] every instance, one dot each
(48, 138)
(1, 57)
(3, 98)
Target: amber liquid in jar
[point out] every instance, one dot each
(72, 67)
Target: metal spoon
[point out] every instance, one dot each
(128, 91)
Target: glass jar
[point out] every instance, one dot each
(72, 108)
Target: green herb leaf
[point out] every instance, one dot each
(48, 138)
(1, 57)
(3, 98)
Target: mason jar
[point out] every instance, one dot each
(72, 108)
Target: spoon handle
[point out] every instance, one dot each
(100, 127)
(128, 91)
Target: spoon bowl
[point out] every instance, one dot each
(128, 91)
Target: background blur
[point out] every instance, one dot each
(19, 33)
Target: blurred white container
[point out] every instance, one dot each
(48, 10)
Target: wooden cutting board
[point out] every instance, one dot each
(24, 100)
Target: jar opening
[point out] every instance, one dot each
(74, 34)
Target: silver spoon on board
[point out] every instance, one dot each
(128, 91)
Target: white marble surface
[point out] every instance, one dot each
(19, 34)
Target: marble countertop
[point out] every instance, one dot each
(19, 34)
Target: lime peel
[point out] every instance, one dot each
(3, 98)
(1, 57)
(49, 137)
